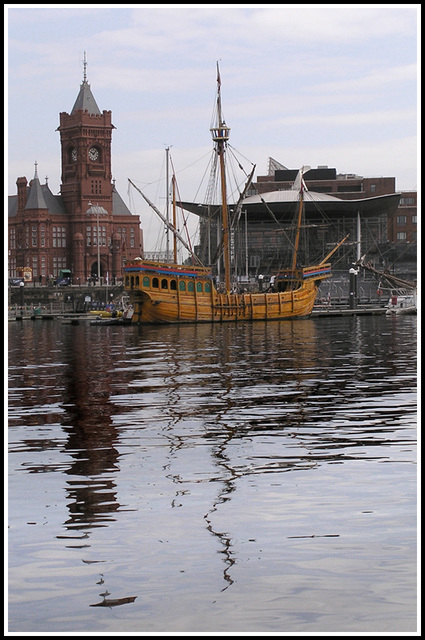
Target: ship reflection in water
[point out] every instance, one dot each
(229, 478)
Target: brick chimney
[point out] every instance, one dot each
(22, 193)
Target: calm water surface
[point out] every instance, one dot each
(239, 478)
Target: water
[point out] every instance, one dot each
(234, 478)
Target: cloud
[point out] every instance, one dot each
(370, 82)
(352, 119)
(334, 23)
(305, 84)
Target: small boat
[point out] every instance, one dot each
(402, 305)
(172, 293)
(127, 315)
(403, 292)
(106, 313)
(121, 313)
(99, 321)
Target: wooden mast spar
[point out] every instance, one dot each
(300, 212)
(220, 135)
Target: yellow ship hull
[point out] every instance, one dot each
(164, 295)
(221, 307)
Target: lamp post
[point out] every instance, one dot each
(98, 245)
(21, 294)
(97, 210)
(353, 288)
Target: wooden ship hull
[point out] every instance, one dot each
(167, 294)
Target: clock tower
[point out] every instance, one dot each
(86, 136)
(87, 230)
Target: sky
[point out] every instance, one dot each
(333, 85)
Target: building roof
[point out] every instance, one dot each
(283, 205)
(118, 205)
(288, 195)
(85, 101)
(54, 203)
(96, 209)
(41, 195)
(35, 198)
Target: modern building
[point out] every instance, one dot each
(334, 207)
(401, 223)
(86, 231)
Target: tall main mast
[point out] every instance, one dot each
(220, 135)
(301, 188)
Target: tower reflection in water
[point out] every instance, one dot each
(91, 435)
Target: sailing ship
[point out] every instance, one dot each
(172, 293)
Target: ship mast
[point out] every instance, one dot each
(220, 135)
(300, 211)
(174, 218)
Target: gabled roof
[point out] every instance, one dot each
(54, 203)
(47, 200)
(118, 205)
(35, 197)
(41, 197)
(85, 100)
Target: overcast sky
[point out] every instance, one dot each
(331, 85)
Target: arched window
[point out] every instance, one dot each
(127, 280)
(155, 283)
(207, 287)
(182, 285)
(190, 286)
(137, 281)
(199, 287)
(132, 282)
(164, 283)
(173, 285)
(145, 281)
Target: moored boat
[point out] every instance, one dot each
(168, 292)
(402, 305)
(403, 300)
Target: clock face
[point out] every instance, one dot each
(93, 154)
(74, 155)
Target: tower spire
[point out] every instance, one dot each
(35, 196)
(85, 99)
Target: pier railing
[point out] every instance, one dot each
(53, 309)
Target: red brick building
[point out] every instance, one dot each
(402, 227)
(88, 222)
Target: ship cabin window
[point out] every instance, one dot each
(182, 285)
(207, 287)
(132, 282)
(155, 283)
(190, 286)
(145, 281)
(164, 283)
(127, 281)
(199, 287)
(137, 281)
(173, 285)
